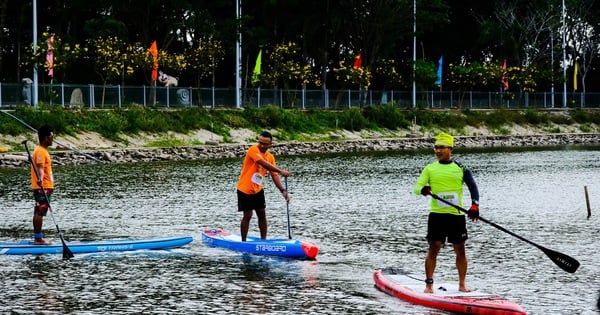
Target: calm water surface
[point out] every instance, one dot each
(358, 208)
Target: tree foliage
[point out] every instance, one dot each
(197, 41)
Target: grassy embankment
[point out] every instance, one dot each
(289, 124)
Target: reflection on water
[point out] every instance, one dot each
(359, 209)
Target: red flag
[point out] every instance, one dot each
(504, 78)
(50, 56)
(154, 53)
(357, 61)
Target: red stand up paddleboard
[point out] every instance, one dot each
(445, 297)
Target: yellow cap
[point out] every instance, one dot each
(444, 139)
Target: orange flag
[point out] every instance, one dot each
(154, 53)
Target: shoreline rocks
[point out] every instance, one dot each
(220, 151)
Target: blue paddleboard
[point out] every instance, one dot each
(277, 246)
(116, 245)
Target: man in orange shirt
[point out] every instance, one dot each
(251, 196)
(43, 164)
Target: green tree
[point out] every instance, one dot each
(204, 59)
(114, 59)
(583, 36)
(64, 54)
(353, 76)
(286, 68)
(425, 74)
(388, 73)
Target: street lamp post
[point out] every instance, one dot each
(552, 67)
(238, 55)
(414, 89)
(35, 72)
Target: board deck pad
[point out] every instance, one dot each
(446, 296)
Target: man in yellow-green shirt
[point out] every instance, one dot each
(445, 178)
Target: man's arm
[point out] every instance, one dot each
(470, 181)
(39, 174)
(272, 168)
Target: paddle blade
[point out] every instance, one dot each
(565, 262)
(66, 252)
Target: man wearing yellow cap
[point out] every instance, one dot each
(445, 178)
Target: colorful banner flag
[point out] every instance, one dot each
(575, 77)
(439, 71)
(256, 72)
(50, 55)
(504, 77)
(357, 61)
(154, 53)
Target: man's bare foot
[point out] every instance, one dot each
(428, 289)
(463, 288)
(41, 241)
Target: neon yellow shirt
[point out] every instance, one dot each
(446, 181)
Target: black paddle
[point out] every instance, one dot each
(35, 130)
(66, 252)
(567, 263)
(287, 204)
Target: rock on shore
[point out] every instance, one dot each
(217, 151)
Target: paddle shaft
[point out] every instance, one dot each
(565, 262)
(34, 130)
(287, 205)
(67, 254)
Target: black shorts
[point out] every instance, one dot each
(41, 203)
(251, 202)
(442, 226)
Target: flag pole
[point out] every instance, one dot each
(564, 63)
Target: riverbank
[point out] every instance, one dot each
(91, 148)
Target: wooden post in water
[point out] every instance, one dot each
(587, 201)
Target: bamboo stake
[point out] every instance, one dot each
(587, 201)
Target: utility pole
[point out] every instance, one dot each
(414, 89)
(35, 66)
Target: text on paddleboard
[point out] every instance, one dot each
(271, 248)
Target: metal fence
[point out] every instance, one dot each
(111, 96)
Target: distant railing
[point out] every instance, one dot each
(111, 96)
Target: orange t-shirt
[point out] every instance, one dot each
(41, 156)
(252, 175)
